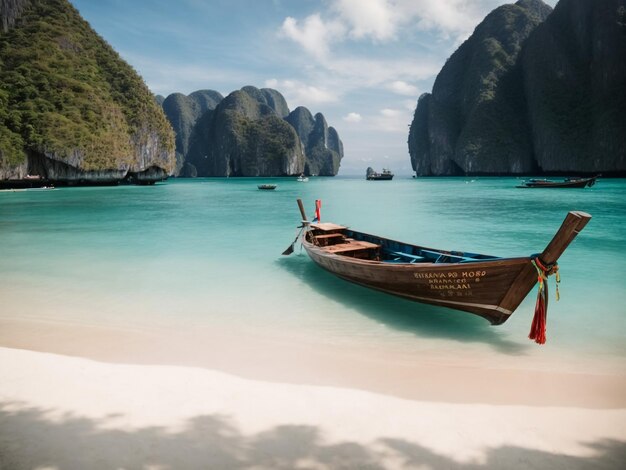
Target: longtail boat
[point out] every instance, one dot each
(489, 286)
(565, 183)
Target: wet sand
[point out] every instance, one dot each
(432, 376)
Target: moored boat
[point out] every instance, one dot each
(302, 179)
(267, 187)
(489, 286)
(372, 175)
(565, 183)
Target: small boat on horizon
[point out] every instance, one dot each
(371, 175)
(564, 183)
(267, 187)
(488, 286)
(302, 179)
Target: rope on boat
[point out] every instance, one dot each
(538, 326)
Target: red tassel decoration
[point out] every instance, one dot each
(538, 326)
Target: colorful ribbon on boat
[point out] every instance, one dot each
(538, 326)
(318, 210)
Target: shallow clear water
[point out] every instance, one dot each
(200, 253)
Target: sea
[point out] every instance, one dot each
(204, 254)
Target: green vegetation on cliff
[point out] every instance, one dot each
(65, 93)
(265, 143)
(244, 136)
(269, 134)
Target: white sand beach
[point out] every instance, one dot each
(61, 412)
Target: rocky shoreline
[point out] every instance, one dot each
(32, 182)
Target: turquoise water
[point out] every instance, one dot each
(191, 254)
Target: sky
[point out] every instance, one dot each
(361, 63)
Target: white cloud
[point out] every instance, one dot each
(403, 88)
(384, 21)
(358, 72)
(302, 94)
(314, 34)
(392, 120)
(448, 18)
(373, 18)
(390, 113)
(353, 117)
(380, 21)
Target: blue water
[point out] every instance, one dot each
(191, 254)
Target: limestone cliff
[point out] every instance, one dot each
(10, 11)
(244, 136)
(183, 113)
(322, 147)
(531, 91)
(70, 108)
(252, 133)
(474, 120)
(269, 97)
(574, 68)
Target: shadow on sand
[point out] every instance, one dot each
(29, 439)
(419, 319)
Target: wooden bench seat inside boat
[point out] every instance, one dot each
(328, 227)
(354, 248)
(329, 239)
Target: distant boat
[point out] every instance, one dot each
(302, 179)
(564, 183)
(267, 186)
(371, 175)
(489, 286)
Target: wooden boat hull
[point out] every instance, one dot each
(380, 178)
(487, 286)
(477, 288)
